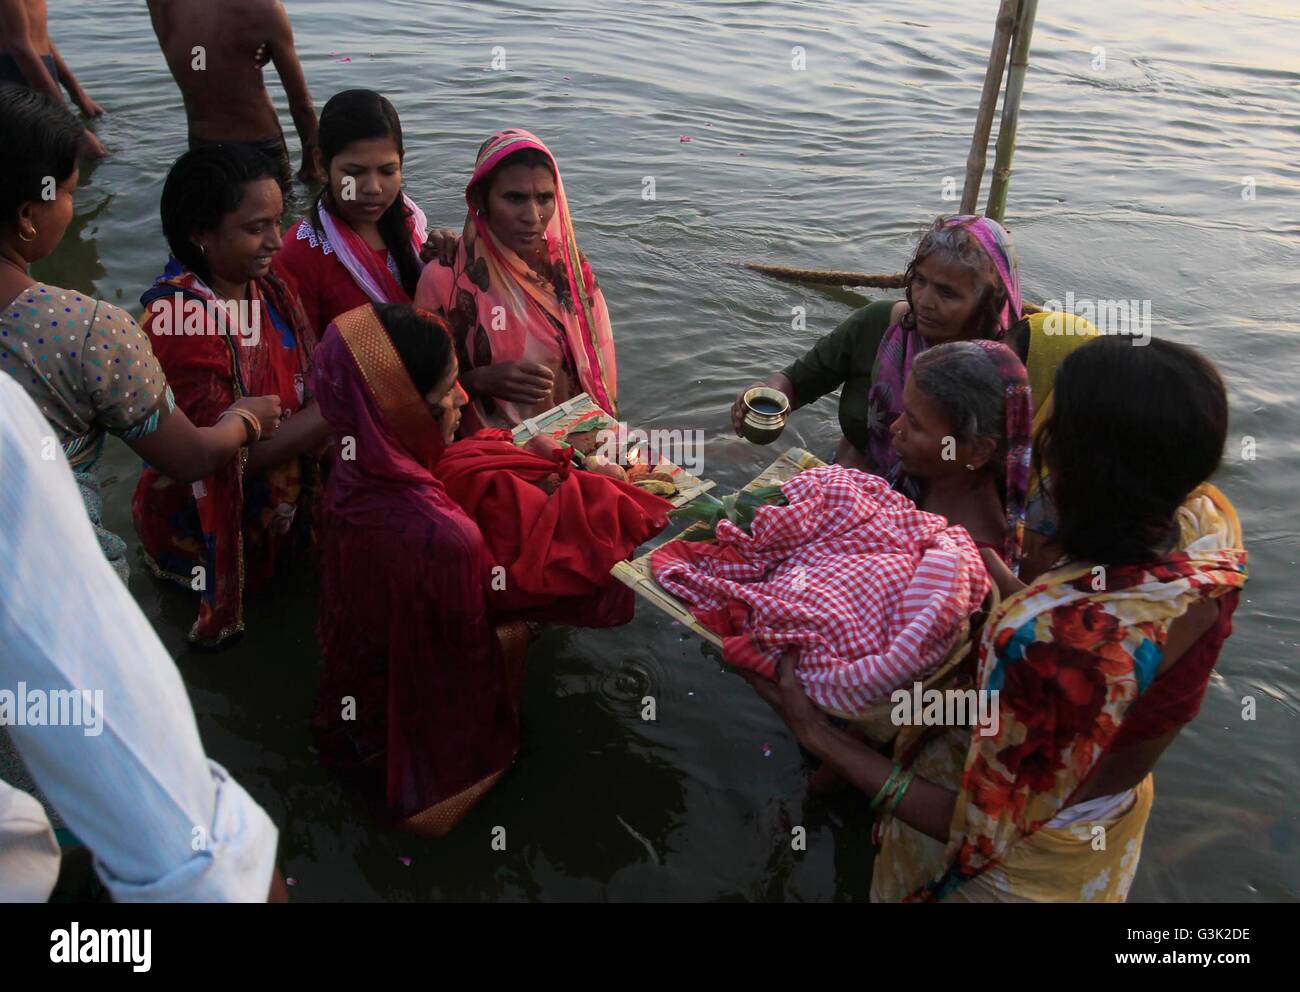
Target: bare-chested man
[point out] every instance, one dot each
(28, 57)
(216, 52)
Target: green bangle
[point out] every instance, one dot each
(886, 788)
(898, 793)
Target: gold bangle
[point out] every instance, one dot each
(249, 418)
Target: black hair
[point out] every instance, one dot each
(533, 158)
(1133, 430)
(43, 138)
(959, 245)
(422, 340)
(203, 186)
(360, 115)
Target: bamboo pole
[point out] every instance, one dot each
(979, 143)
(1006, 148)
(829, 278)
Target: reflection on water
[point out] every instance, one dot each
(1128, 185)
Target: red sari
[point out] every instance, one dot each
(404, 624)
(411, 587)
(231, 529)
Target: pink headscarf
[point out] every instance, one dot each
(489, 282)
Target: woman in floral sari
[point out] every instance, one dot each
(224, 326)
(1098, 663)
(530, 323)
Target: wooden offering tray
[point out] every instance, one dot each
(580, 415)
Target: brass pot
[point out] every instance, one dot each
(766, 411)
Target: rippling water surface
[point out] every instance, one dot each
(1128, 184)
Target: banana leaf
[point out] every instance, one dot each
(707, 511)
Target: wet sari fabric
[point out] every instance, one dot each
(229, 532)
(415, 688)
(1072, 661)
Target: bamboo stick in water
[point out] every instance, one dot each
(979, 143)
(829, 278)
(1006, 147)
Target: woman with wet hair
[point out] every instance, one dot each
(963, 283)
(1098, 663)
(84, 361)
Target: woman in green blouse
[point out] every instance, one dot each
(963, 282)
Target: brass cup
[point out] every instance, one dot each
(763, 426)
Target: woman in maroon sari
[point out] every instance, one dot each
(417, 683)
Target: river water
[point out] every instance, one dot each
(1158, 162)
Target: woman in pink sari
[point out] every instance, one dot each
(529, 321)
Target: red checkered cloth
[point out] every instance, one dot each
(872, 591)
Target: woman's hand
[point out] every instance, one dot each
(518, 382)
(265, 408)
(738, 408)
(442, 245)
(788, 698)
(777, 381)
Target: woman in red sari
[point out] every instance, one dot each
(361, 241)
(223, 326)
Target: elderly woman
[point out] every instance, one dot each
(530, 322)
(1099, 663)
(84, 361)
(963, 283)
(962, 441)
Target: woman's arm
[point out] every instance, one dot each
(186, 453)
(305, 431)
(925, 806)
(1007, 583)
